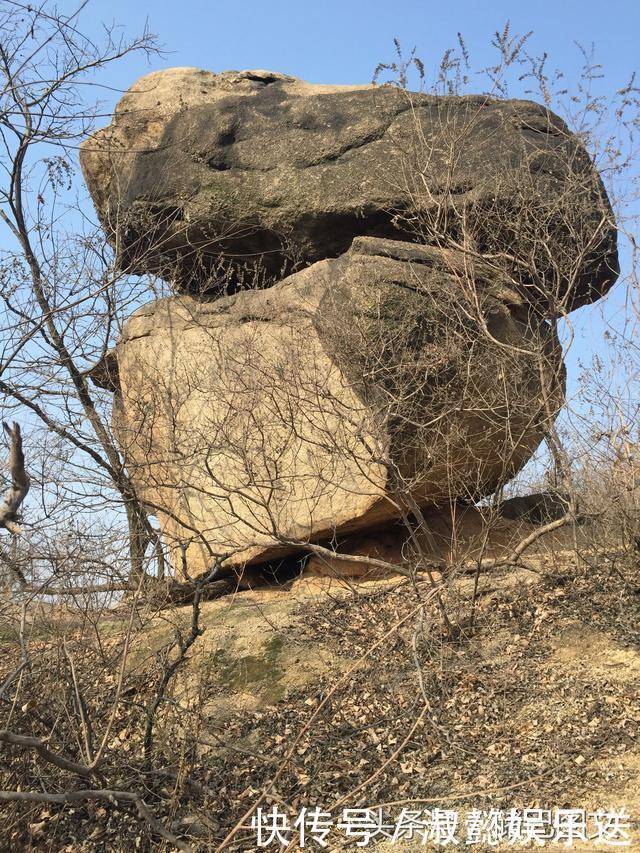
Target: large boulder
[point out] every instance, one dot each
(201, 177)
(330, 402)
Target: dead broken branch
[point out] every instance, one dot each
(98, 794)
(19, 487)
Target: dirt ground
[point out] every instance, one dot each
(352, 696)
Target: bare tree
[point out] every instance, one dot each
(62, 298)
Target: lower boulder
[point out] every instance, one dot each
(348, 394)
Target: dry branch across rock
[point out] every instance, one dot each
(411, 361)
(258, 422)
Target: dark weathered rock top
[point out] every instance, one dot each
(201, 175)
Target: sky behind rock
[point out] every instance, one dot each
(341, 41)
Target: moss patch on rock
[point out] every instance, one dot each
(259, 673)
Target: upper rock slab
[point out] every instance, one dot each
(201, 175)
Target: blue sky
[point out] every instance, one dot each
(341, 42)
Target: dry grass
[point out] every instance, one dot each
(539, 706)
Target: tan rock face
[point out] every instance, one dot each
(258, 422)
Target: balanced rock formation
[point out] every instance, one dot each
(201, 174)
(407, 361)
(258, 422)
